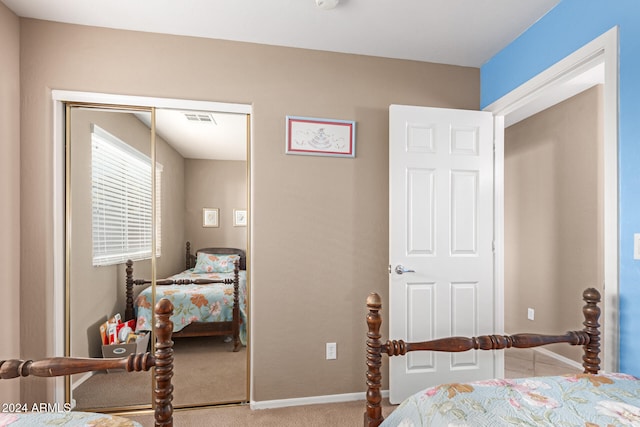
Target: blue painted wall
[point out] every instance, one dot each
(567, 27)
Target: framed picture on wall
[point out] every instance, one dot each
(210, 217)
(321, 137)
(239, 218)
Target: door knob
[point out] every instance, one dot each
(401, 270)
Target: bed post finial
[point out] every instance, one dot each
(373, 415)
(164, 364)
(188, 255)
(591, 311)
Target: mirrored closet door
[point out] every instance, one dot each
(147, 190)
(109, 220)
(203, 158)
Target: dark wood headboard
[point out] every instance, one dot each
(191, 258)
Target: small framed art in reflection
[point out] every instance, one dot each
(210, 217)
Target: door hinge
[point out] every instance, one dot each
(389, 268)
(493, 246)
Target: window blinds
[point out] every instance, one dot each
(121, 200)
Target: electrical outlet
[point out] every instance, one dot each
(531, 313)
(332, 351)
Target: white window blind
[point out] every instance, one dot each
(121, 200)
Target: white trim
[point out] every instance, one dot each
(557, 357)
(312, 400)
(250, 265)
(58, 325)
(592, 60)
(143, 101)
(611, 219)
(574, 74)
(60, 97)
(84, 377)
(498, 237)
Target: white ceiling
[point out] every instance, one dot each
(457, 32)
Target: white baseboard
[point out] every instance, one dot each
(349, 397)
(559, 357)
(81, 379)
(312, 400)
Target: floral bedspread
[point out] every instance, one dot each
(584, 400)
(74, 419)
(195, 303)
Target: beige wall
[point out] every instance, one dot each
(319, 236)
(173, 232)
(10, 194)
(553, 216)
(218, 184)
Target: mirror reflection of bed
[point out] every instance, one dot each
(207, 328)
(190, 176)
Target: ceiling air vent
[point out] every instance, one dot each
(200, 117)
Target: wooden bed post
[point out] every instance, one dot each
(235, 328)
(128, 313)
(591, 311)
(373, 415)
(164, 364)
(188, 256)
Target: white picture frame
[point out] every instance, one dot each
(210, 217)
(239, 217)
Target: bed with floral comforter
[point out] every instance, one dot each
(584, 400)
(196, 303)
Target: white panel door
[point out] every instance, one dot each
(441, 233)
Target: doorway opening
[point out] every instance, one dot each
(594, 64)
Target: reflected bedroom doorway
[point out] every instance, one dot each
(182, 170)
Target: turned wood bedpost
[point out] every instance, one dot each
(235, 328)
(164, 364)
(188, 256)
(128, 312)
(591, 311)
(373, 415)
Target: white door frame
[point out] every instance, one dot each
(594, 63)
(60, 97)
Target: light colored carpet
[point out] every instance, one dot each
(206, 370)
(347, 414)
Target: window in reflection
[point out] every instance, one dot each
(109, 220)
(121, 187)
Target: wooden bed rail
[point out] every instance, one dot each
(588, 337)
(197, 328)
(130, 283)
(59, 366)
(162, 360)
